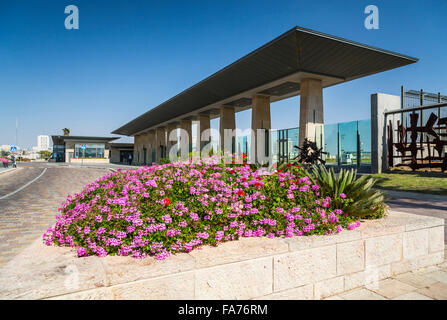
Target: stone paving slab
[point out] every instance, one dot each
(425, 284)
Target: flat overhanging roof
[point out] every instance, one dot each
(275, 69)
(58, 140)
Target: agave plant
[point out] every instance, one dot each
(366, 202)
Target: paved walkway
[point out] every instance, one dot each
(426, 284)
(25, 215)
(419, 203)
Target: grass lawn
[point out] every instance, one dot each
(424, 182)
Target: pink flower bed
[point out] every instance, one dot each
(165, 209)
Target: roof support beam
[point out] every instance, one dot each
(185, 138)
(203, 134)
(260, 125)
(227, 126)
(160, 136)
(172, 138)
(311, 109)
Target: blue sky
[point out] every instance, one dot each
(129, 56)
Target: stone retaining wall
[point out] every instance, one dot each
(252, 268)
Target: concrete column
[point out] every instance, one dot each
(145, 148)
(185, 136)
(137, 147)
(160, 143)
(380, 103)
(260, 120)
(311, 109)
(227, 121)
(152, 146)
(202, 139)
(171, 130)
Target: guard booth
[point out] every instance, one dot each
(81, 149)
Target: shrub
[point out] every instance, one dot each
(4, 161)
(165, 209)
(164, 160)
(351, 194)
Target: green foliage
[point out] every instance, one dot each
(45, 154)
(165, 209)
(165, 161)
(357, 196)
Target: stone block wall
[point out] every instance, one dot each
(311, 267)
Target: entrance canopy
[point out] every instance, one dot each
(274, 70)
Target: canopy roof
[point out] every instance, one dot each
(59, 140)
(275, 69)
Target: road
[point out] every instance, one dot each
(26, 214)
(31, 195)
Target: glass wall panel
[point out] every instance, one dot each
(242, 145)
(331, 143)
(348, 142)
(274, 145)
(293, 136)
(364, 128)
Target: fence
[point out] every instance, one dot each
(416, 137)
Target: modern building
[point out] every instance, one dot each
(81, 149)
(299, 62)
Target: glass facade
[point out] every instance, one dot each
(92, 150)
(346, 143)
(331, 143)
(59, 153)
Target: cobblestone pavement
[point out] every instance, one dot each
(25, 215)
(426, 284)
(13, 180)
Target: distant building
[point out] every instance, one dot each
(5, 147)
(43, 143)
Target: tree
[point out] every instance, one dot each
(66, 131)
(4, 153)
(44, 154)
